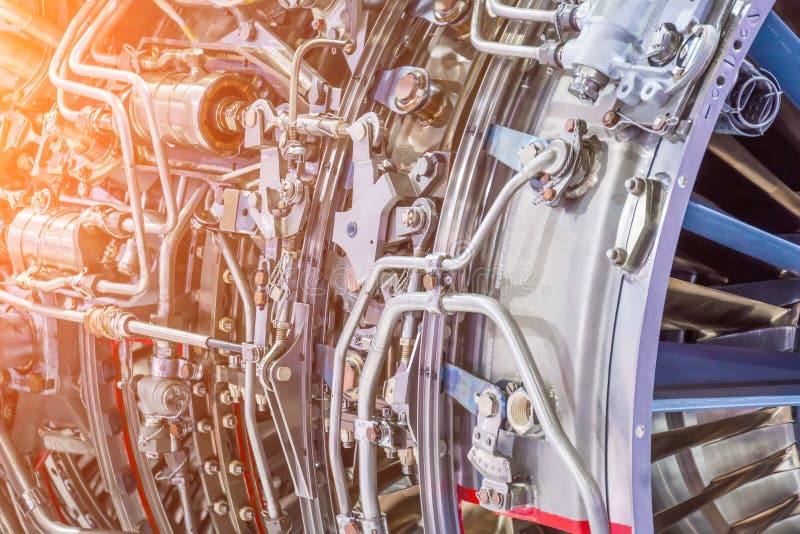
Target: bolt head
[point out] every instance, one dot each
(617, 255)
(352, 527)
(549, 194)
(36, 382)
(220, 507)
(610, 118)
(635, 186)
(283, 373)
(487, 404)
(200, 389)
(373, 433)
(230, 420)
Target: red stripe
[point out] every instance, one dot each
(535, 515)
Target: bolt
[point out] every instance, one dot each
(549, 194)
(211, 467)
(611, 118)
(347, 439)
(230, 420)
(225, 396)
(544, 178)
(496, 499)
(359, 131)
(36, 382)
(412, 218)
(227, 277)
(283, 373)
(200, 389)
(373, 433)
(70, 304)
(187, 370)
(635, 186)
(570, 126)
(352, 229)
(660, 122)
(407, 88)
(204, 426)
(487, 404)
(226, 324)
(177, 429)
(617, 255)
(236, 468)
(220, 507)
(246, 513)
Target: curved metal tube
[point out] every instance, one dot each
(242, 286)
(166, 255)
(33, 502)
(123, 128)
(251, 424)
(297, 61)
(540, 54)
(487, 225)
(113, 11)
(532, 380)
(249, 394)
(520, 13)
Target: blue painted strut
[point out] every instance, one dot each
(777, 49)
(740, 236)
(694, 376)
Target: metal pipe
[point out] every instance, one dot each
(132, 328)
(520, 13)
(34, 26)
(256, 443)
(487, 225)
(114, 10)
(541, 54)
(241, 283)
(32, 500)
(297, 61)
(123, 129)
(167, 256)
(19, 58)
(532, 380)
(367, 390)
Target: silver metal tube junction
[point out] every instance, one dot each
(539, 54)
(297, 61)
(114, 10)
(167, 256)
(487, 225)
(32, 500)
(532, 380)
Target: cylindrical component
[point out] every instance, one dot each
(164, 397)
(16, 340)
(204, 113)
(18, 58)
(520, 412)
(58, 241)
(29, 23)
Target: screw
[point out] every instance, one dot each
(610, 118)
(617, 255)
(236, 468)
(220, 507)
(230, 420)
(246, 513)
(549, 194)
(211, 467)
(225, 396)
(635, 186)
(373, 433)
(200, 389)
(226, 324)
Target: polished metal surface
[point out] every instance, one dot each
(359, 266)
